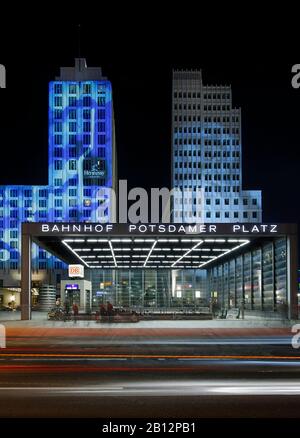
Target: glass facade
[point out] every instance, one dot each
(255, 280)
(149, 288)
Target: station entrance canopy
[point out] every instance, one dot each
(147, 246)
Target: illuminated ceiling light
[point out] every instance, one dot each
(68, 246)
(92, 240)
(149, 254)
(112, 253)
(188, 252)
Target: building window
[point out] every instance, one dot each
(58, 164)
(58, 139)
(42, 203)
(73, 214)
(58, 203)
(101, 114)
(86, 101)
(101, 139)
(72, 101)
(72, 152)
(57, 183)
(72, 139)
(245, 215)
(72, 89)
(86, 88)
(57, 101)
(86, 126)
(72, 126)
(86, 114)
(72, 182)
(72, 165)
(58, 152)
(101, 152)
(72, 202)
(72, 114)
(86, 139)
(58, 88)
(58, 114)
(101, 101)
(254, 214)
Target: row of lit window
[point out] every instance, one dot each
(86, 101)
(197, 130)
(86, 88)
(207, 154)
(217, 214)
(73, 139)
(73, 126)
(201, 165)
(207, 177)
(210, 189)
(194, 95)
(187, 118)
(72, 114)
(218, 108)
(198, 141)
(218, 201)
(16, 265)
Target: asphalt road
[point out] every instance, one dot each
(165, 375)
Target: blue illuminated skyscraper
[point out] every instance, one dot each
(82, 158)
(207, 154)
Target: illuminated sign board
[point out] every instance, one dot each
(71, 286)
(93, 168)
(195, 229)
(76, 271)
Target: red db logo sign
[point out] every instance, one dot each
(76, 271)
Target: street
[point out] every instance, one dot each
(111, 372)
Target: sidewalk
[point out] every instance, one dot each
(39, 319)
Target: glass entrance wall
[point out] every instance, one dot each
(149, 288)
(257, 278)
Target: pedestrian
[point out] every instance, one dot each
(102, 312)
(110, 311)
(57, 302)
(67, 307)
(75, 311)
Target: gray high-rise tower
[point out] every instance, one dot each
(207, 154)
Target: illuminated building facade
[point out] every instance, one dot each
(82, 158)
(207, 154)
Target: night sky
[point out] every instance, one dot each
(139, 63)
